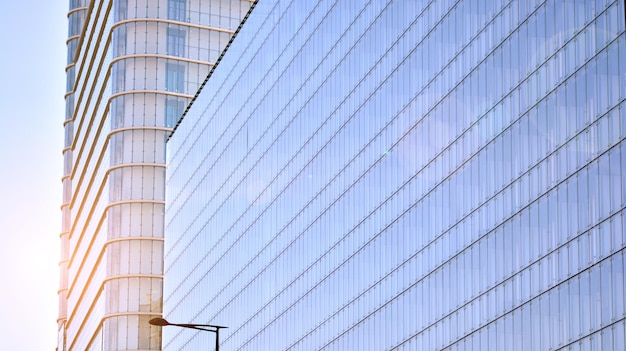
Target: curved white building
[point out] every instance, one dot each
(133, 66)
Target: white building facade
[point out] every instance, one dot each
(133, 66)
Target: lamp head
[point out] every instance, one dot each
(161, 322)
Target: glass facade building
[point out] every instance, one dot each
(132, 67)
(405, 175)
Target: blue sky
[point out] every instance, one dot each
(32, 62)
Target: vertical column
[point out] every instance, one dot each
(76, 21)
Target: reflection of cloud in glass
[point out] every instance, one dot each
(550, 64)
(257, 193)
(424, 137)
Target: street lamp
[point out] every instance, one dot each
(161, 322)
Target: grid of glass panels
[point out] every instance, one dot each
(405, 175)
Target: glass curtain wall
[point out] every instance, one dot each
(405, 175)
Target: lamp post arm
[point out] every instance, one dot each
(187, 325)
(161, 322)
(196, 327)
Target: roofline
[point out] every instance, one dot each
(219, 59)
